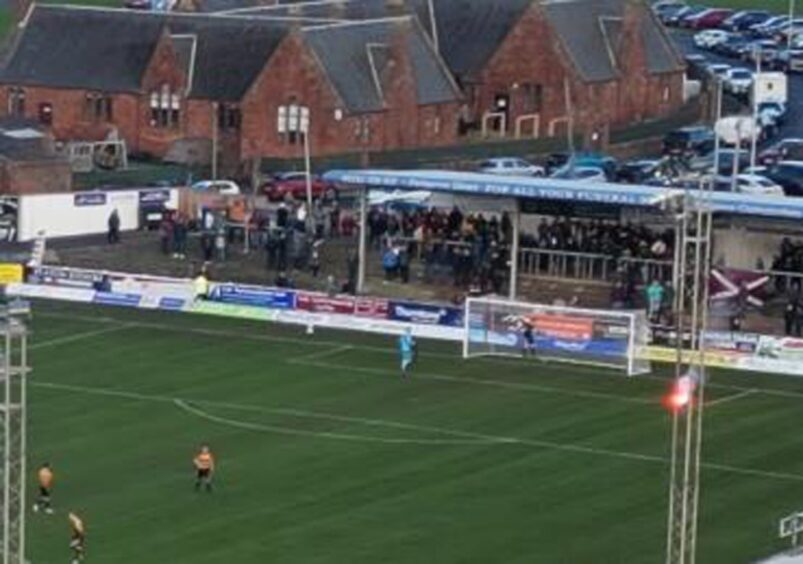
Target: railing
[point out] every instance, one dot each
(588, 266)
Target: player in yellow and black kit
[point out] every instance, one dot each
(78, 538)
(204, 463)
(45, 477)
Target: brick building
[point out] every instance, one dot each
(374, 74)
(155, 80)
(29, 163)
(607, 63)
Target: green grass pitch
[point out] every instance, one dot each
(326, 456)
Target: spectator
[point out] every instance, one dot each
(792, 315)
(180, 237)
(166, 232)
(390, 262)
(113, 234)
(655, 298)
(315, 258)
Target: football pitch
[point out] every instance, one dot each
(325, 455)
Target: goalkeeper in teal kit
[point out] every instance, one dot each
(407, 351)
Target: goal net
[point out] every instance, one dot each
(615, 339)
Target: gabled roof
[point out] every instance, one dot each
(355, 56)
(468, 31)
(590, 31)
(109, 50)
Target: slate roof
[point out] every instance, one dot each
(355, 55)
(469, 32)
(590, 32)
(109, 50)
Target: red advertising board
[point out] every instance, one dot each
(562, 327)
(372, 307)
(322, 303)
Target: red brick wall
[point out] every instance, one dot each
(69, 118)
(163, 68)
(533, 54)
(35, 177)
(293, 72)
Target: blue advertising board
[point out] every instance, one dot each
(426, 314)
(117, 299)
(172, 304)
(253, 295)
(83, 199)
(154, 197)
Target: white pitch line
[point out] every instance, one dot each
(730, 398)
(323, 354)
(282, 430)
(79, 336)
(314, 342)
(477, 381)
(476, 438)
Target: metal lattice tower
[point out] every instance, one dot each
(692, 267)
(13, 412)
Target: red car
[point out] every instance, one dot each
(295, 185)
(710, 19)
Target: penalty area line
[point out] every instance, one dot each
(462, 437)
(80, 336)
(731, 397)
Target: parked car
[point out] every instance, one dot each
(738, 81)
(733, 47)
(763, 29)
(688, 141)
(789, 60)
(294, 184)
(717, 70)
(595, 160)
(638, 171)
(580, 173)
(710, 18)
(220, 187)
(556, 160)
(510, 166)
(682, 17)
(707, 38)
(668, 11)
(757, 185)
(789, 174)
(785, 149)
(742, 20)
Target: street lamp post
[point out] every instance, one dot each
(754, 136)
(295, 120)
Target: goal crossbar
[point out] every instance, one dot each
(595, 337)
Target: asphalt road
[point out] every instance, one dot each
(793, 127)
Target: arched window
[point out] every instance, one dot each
(165, 107)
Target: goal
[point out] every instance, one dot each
(614, 339)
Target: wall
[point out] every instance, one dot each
(35, 177)
(59, 216)
(69, 119)
(636, 96)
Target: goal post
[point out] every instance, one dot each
(608, 338)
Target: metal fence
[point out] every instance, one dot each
(587, 266)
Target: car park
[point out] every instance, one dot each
(294, 185)
(788, 174)
(687, 141)
(742, 20)
(766, 28)
(709, 18)
(682, 17)
(785, 149)
(510, 166)
(757, 185)
(667, 11)
(789, 60)
(717, 70)
(638, 171)
(708, 38)
(738, 81)
(220, 187)
(580, 174)
(733, 46)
